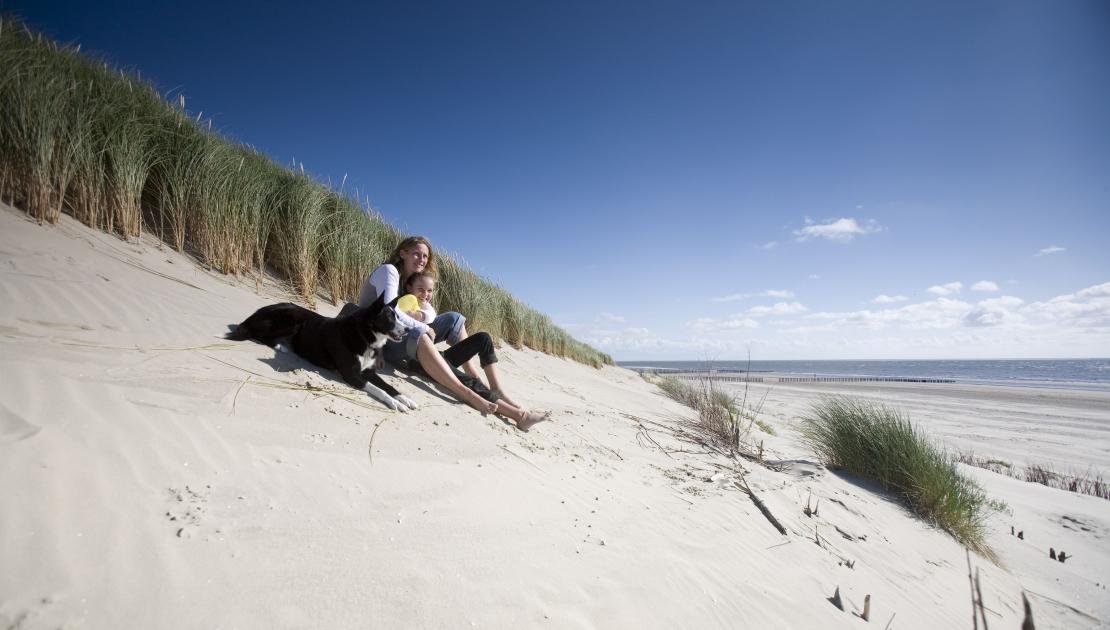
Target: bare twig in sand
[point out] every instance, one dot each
(979, 594)
(866, 616)
(236, 398)
(743, 485)
(158, 273)
(891, 620)
(1027, 623)
(370, 444)
(971, 583)
(520, 457)
(595, 443)
(100, 346)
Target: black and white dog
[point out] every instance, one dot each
(348, 344)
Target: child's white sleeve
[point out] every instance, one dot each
(429, 312)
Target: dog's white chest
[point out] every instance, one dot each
(367, 359)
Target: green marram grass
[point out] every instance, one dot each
(78, 136)
(875, 442)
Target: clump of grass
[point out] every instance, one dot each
(763, 426)
(719, 419)
(876, 442)
(1089, 483)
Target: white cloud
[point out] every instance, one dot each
(1083, 311)
(994, 312)
(780, 308)
(703, 324)
(1051, 249)
(814, 276)
(768, 245)
(985, 285)
(946, 289)
(939, 313)
(889, 299)
(842, 230)
(777, 293)
(1088, 308)
(610, 318)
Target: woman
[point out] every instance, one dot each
(412, 255)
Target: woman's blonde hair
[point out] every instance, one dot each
(396, 260)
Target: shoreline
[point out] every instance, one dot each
(1092, 386)
(1068, 429)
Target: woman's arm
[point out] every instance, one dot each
(386, 280)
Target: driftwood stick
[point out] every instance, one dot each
(979, 593)
(866, 616)
(1027, 623)
(971, 583)
(762, 508)
(892, 621)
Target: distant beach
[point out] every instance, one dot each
(1089, 374)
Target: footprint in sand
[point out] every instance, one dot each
(188, 508)
(14, 428)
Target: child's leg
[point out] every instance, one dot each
(451, 327)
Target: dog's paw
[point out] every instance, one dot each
(283, 348)
(405, 400)
(395, 404)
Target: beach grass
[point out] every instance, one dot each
(79, 136)
(1089, 482)
(720, 419)
(875, 442)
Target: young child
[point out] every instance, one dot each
(418, 305)
(420, 287)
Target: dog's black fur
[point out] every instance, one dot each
(349, 344)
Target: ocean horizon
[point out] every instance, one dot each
(1065, 373)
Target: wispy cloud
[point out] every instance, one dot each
(775, 293)
(946, 289)
(610, 318)
(889, 299)
(841, 230)
(768, 245)
(780, 308)
(1052, 249)
(985, 285)
(704, 324)
(1085, 310)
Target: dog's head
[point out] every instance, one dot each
(378, 323)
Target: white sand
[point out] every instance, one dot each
(146, 482)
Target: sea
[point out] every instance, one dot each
(1092, 374)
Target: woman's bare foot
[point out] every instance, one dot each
(530, 418)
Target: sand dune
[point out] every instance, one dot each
(153, 475)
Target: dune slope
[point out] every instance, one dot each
(154, 475)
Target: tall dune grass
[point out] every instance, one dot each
(875, 442)
(81, 137)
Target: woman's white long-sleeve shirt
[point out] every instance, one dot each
(386, 280)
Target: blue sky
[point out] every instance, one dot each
(694, 180)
